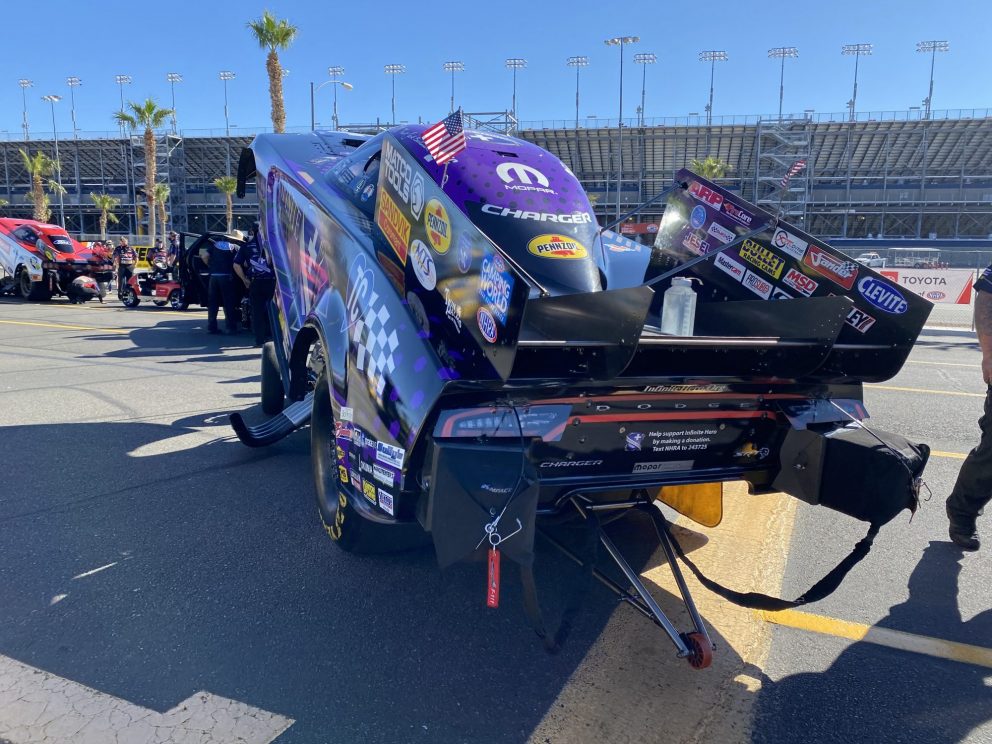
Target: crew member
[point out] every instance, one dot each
(172, 250)
(252, 267)
(157, 255)
(973, 489)
(125, 258)
(220, 260)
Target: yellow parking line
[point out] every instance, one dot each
(62, 325)
(917, 644)
(952, 455)
(925, 390)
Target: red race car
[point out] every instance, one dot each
(38, 260)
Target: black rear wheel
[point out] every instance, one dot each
(31, 290)
(177, 299)
(273, 395)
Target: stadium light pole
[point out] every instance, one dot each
(73, 82)
(226, 75)
(620, 41)
(25, 84)
(121, 81)
(855, 50)
(782, 53)
(393, 71)
(933, 47)
(577, 62)
(712, 56)
(173, 78)
(644, 59)
(334, 71)
(453, 67)
(514, 64)
(53, 99)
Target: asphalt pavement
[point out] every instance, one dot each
(148, 557)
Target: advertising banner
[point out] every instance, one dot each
(944, 286)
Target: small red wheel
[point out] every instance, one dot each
(701, 650)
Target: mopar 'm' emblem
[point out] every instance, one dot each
(521, 173)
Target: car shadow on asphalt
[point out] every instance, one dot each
(182, 337)
(875, 694)
(222, 579)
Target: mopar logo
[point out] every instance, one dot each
(521, 177)
(882, 296)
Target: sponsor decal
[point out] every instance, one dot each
(882, 295)
(423, 265)
(721, 233)
(617, 248)
(396, 170)
(894, 275)
(347, 413)
(762, 258)
(697, 218)
(417, 195)
(556, 246)
(935, 295)
(522, 177)
(778, 294)
(571, 463)
(705, 194)
(365, 467)
(758, 285)
(394, 225)
(360, 290)
(687, 389)
(356, 479)
(694, 243)
(340, 452)
(386, 501)
(464, 254)
(419, 313)
(367, 192)
(389, 454)
(789, 243)
(452, 310)
(838, 270)
(368, 488)
(730, 266)
(343, 474)
(438, 226)
(750, 452)
(495, 489)
(633, 441)
(800, 282)
(383, 475)
(496, 286)
(487, 324)
(663, 467)
(576, 218)
(738, 214)
(859, 320)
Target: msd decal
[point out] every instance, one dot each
(836, 269)
(800, 282)
(705, 194)
(882, 296)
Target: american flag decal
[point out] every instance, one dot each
(445, 139)
(793, 170)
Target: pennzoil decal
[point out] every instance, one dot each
(438, 226)
(556, 246)
(394, 225)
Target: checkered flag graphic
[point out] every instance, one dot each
(375, 345)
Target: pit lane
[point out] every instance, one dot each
(149, 556)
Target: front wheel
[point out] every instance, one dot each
(273, 394)
(128, 296)
(177, 300)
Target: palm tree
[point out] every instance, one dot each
(227, 185)
(40, 167)
(162, 192)
(276, 35)
(106, 204)
(151, 117)
(711, 167)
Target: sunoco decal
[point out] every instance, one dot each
(762, 258)
(556, 246)
(438, 226)
(838, 270)
(756, 284)
(393, 224)
(882, 296)
(487, 324)
(423, 265)
(789, 243)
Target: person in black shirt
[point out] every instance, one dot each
(220, 260)
(125, 257)
(252, 267)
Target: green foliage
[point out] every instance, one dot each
(272, 33)
(711, 167)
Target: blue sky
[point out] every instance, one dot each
(96, 40)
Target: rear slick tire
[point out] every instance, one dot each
(273, 395)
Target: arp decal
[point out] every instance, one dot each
(556, 246)
(789, 243)
(882, 296)
(762, 258)
(423, 264)
(438, 226)
(838, 270)
(705, 194)
(394, 225)
(800, 282)
(487, 324)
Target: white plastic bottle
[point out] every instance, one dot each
(678, 311)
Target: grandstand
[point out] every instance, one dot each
(889, 177)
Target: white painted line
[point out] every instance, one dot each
(37, 707)
(95, 570)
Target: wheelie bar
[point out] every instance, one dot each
(278, 427)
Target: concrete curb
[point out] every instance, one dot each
(938, 331)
